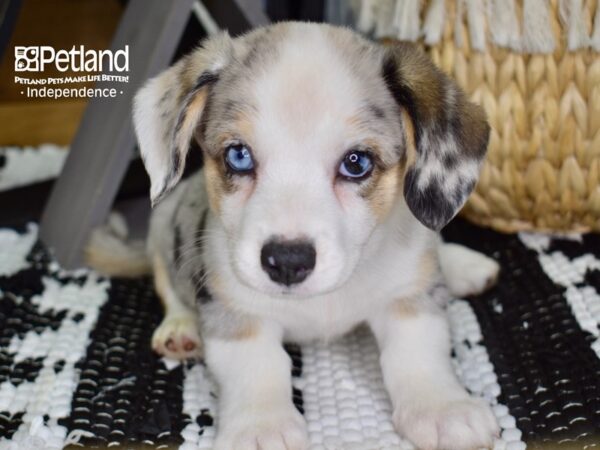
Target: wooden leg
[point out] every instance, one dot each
(237, 16)
(105, 142)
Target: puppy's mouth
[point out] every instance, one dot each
(304, 291)
(299, 292)
(312, 286)
(268, 287)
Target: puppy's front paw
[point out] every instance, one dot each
(263, 430)
(177, 337)
(462, 424)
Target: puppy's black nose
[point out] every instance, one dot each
(288, 262)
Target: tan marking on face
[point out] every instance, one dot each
(230, 126)
(218, 181)
(356, 121)
(411, 147)
(381, 191)
(222, 126)
(215, 182)
(190, 120)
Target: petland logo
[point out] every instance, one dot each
(37, 58)
(105, 68)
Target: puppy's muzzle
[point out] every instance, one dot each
(288, 262)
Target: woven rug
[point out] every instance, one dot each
(76, 369)
(20, 166)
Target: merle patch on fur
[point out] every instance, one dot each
(377, 111)
(430, 204)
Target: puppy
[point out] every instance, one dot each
(330, 162)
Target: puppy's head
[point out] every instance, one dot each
(311, 137)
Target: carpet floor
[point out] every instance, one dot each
(76, 368)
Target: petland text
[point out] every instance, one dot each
(77, 59)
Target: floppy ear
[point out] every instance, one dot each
(450, 135)
(167, 110)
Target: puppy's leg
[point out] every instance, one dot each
(466, 271)
(255, 403)
(431, 408)
(177, 335)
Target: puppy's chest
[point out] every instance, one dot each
(323, 319)
(332, 315)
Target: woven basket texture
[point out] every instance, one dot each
(541, 93)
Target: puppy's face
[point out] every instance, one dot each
(309, 133)
(301, 156)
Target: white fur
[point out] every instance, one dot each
(466, 272)
(431, 408)
(379, 277)
(255, 405)
(177, 335)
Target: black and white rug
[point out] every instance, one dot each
(76, 368)
(21, 166)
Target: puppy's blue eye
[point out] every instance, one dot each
(239, 158)
(356, 165)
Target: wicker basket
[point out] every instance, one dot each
(534, 65)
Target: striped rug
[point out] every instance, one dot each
(76, 369)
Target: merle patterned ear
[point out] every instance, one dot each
(450, 135)
(168, 108)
